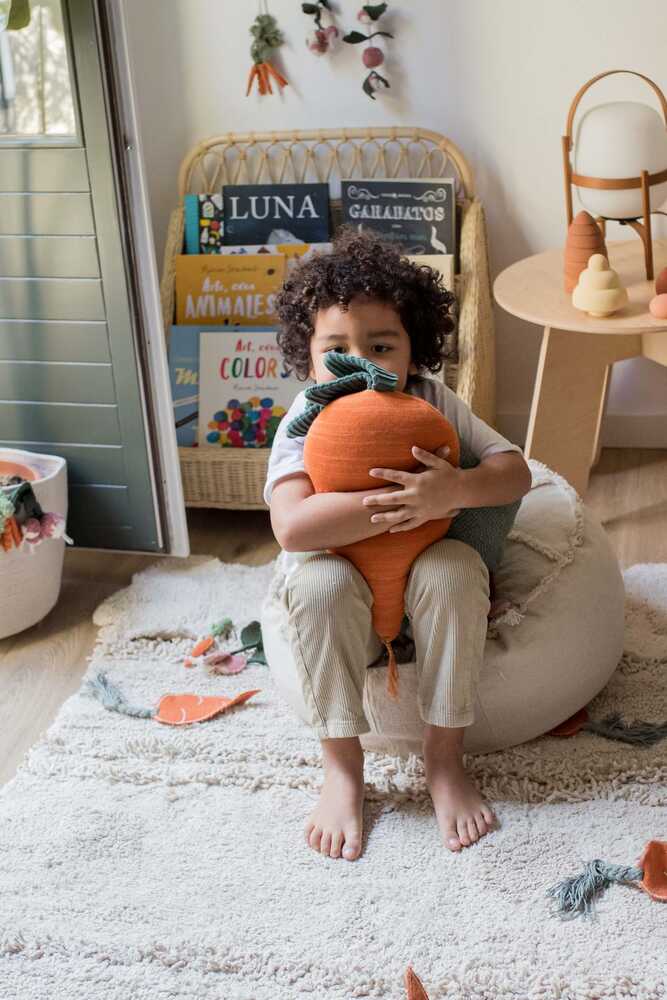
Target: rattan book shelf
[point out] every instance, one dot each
(234, 477)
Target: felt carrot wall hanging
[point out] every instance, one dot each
(372, 56)
(354, 423)
(266, 35)
(575, 896)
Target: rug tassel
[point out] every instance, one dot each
(392, 678)
(576, 895)
(639, 733)
(112, 698)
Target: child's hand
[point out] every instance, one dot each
(426, 495)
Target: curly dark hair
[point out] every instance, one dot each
(363, 263)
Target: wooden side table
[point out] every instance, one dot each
(578, 351)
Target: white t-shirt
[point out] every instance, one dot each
(287, 453)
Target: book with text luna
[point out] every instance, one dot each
(276, 213)
(228, 290)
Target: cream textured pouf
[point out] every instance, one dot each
(544, 659)
(30, 579)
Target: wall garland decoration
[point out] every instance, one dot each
(266, 36)
(324, 36)
(372, 56)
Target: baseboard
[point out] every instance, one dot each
(619, 430)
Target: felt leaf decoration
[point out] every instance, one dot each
(259, 656)
(414, 986)
(183, 709)
(375, 10)
(251, 634)
(372, 83)
(354, 37)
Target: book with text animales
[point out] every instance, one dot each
(276, 213)
(420, 215)
(203, 223)
(228, 289)
(245, 388)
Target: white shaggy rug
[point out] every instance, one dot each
(140, 861)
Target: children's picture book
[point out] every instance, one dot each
(203, 223)
(184, 376)
(420, 215)
(292, 252)
(276, 213)
(245, 388)
(228, 289)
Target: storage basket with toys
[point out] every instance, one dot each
(233, 477)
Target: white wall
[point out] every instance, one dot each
(497, 77)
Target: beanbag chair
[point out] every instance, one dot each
(548, 656)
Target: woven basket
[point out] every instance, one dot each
(234, 477)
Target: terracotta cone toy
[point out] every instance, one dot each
(584, 238)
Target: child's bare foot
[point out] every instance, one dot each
(335, 825)
(463, 815)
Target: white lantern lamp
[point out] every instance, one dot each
(620, 161)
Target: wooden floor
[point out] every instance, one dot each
(41, 667)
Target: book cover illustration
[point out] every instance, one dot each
(420, 215)
(203, 223)
(245, 388)
(227, 290)
(184, 378)
(276, 213)
(292, 252)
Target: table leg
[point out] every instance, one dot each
(568, 400)
(597, 446)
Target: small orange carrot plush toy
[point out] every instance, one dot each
(354, 423)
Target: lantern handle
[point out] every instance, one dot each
(600, 76)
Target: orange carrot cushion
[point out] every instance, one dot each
(370, 426)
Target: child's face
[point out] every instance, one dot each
(367, 329)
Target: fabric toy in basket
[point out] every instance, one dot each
(359, 421)
(22, 519)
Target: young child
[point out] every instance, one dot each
(365, 299)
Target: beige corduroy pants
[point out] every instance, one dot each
(333, 640)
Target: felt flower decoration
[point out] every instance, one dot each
(324, 37)
(372, 56)
(219, 660)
